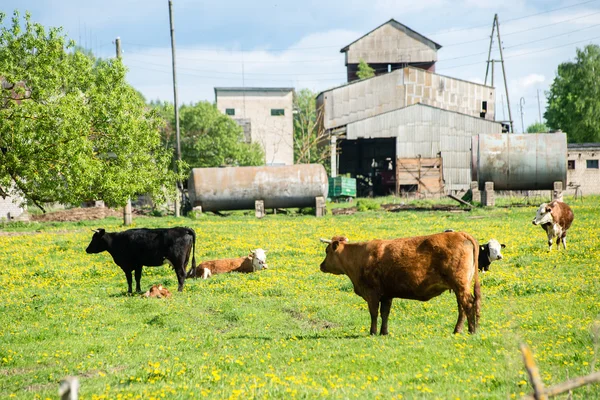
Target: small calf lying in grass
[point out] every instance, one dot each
(158, 291)
(255, 261)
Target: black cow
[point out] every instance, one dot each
(134, 248)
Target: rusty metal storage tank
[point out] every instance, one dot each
(237, 188)
(531, 161)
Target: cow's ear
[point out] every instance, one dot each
(334, 245)
(101, 231)
(502, 245)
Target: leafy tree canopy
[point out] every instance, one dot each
(71, 128)
(574, 97)
(537, 127)
(364, 70)
(310, 144)
(208, 138)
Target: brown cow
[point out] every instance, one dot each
(417, 268)
(158, 291)
(555, 217)
(255, 261)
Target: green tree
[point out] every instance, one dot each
(537, 127)
(71, 128)
(310, 144)
(364, 70)
(574, 97)
(208, 137)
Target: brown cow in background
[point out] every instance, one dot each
(417, 268)
(556, 218)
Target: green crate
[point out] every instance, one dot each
(342, 186)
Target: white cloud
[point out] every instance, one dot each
(530, 80)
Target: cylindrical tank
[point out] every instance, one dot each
(236, 188)
(519, 161)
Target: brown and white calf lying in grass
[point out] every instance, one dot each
(255, 261)
(158, 291)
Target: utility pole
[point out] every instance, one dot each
(521, 104)
(496, 27)
(127, 218)
(539, 109)
(176, 106)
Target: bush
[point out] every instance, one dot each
(365, 205)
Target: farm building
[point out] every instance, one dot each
(10, 207)
(265, 114)
(408, 130)
(388, 47)
(583, 170)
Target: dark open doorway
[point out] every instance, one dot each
(372, 162)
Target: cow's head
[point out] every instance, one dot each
(259, 259)
(543, 215)
(98, 243)
(493, 251)
(331, 264)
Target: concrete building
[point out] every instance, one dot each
(11, 209)
(388, 47)
(583, 170)
(266, 115)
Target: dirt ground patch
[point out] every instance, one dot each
(78, 214)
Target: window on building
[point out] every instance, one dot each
(571, 164)
(230, 111)
(277, 111)
(592, 164)
(483, 109)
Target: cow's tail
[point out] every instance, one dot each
(192, 271)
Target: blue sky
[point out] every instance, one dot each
(276, 43)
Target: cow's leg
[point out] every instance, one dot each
(550, 234)
(138, 278)
(386, 306)
(461, 318)
(373, 310)
(129, 279)
(466, 301)
(180, 271)
(564, 241)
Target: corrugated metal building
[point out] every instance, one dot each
(407, 129)
(430, 147)
(388, 47)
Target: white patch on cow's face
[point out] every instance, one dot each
(259, 259)
(543, 216)
(495, 250)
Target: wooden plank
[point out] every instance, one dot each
(461, 201)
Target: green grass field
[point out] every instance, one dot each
(292, 331)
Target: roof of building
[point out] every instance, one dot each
(582, 146)
(394, 71)
(400, 27)
(427, 106)
(254, 89)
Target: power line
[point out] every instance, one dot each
(512, 19)
(523, 44)
(439, 32)
(524, 30)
